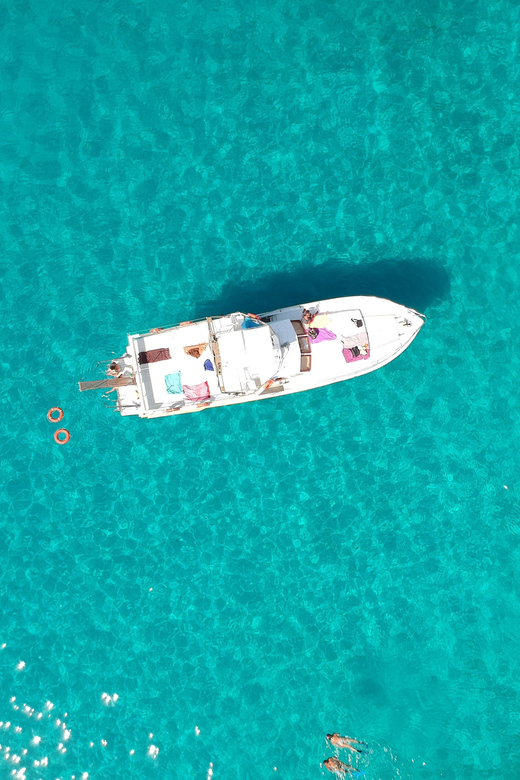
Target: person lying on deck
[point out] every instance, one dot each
(317, 320)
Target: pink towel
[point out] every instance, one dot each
(196, 392)
(357, 340)
(349, 357)
(323, 335)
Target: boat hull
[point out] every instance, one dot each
(356, 335)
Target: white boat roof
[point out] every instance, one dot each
(249, 358)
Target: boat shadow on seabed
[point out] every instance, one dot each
(416, 283)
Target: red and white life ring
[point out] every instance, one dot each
(57, 419)
(57, 436)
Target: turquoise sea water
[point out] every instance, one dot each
(345, 559)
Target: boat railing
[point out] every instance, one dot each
(184, 324)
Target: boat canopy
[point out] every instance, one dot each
(249, 358)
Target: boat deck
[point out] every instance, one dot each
(276, 354)
(157, 378)
(335, 330)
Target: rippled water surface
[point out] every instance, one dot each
(245, 580)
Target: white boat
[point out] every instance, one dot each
(242, 357)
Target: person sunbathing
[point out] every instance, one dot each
(340, 768)
(307, 317)
(346, 742)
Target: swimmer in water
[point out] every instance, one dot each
(346, 742)
(340, 768)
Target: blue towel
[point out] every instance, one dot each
(173, 383)
(208, 365)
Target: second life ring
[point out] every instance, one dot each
(57, 419)
(57, 436)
